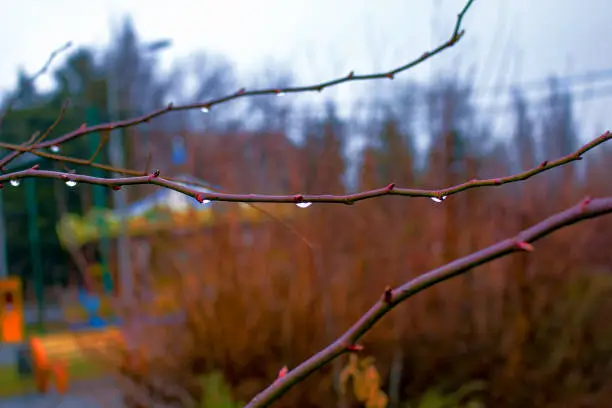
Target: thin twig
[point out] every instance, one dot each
(98, 149)
(456, 35)
(35, 139)
(11, 102)
(586, 209)
(347, 199)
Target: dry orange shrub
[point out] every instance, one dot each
(257, 297)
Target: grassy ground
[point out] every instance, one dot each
(33, 329)
(11, 384)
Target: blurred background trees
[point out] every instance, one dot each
(259, 298)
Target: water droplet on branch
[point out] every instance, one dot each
(15, 182)
(438, 199)
(304, 204)
(71, 183)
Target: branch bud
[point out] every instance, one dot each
(525, 246)
(388, 295)
(283, 372)
(155, 174)
(116, 188)
(390, 187)
(587, 200)
(354, 347)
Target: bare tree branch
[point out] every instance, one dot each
(586, 209)
(347, 199)
(206, 106)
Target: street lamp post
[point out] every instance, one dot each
(117, 158)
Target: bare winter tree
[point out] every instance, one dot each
(43, 145)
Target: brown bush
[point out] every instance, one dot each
(257, 297)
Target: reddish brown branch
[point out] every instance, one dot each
(98, 149)
(348, 199)
(206, 106)
(580, 212)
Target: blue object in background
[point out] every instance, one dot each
(91, 305)
(179, 153)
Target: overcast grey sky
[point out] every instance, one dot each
(506, 41)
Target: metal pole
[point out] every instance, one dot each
(117, 159)
(35, 249)
(99, 201)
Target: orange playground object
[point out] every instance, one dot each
(11, 311)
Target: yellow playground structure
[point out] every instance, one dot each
(55, 356)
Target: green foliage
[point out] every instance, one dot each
(436, 398)
(217, 393)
